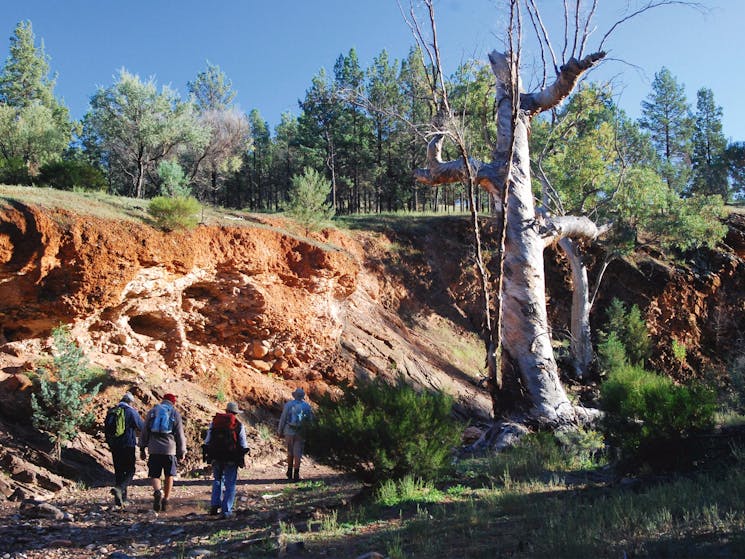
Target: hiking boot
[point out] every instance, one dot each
(214, 510)
(164, 505)
(289, 472)
(296, 474)
(117, 493)
(157, 500)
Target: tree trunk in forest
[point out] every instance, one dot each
(526, 338)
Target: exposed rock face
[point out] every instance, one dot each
(249, 312)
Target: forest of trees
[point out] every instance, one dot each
(363, 129)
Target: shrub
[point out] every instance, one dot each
(69, 174)
(14, 171)
(647, 414)
(380, 431)
(307, 199)
(611, 353)
(631, 330)
(174, 213)
(174, 181)
(62, 404)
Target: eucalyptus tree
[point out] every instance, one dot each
(229, 133)
(520, 339)
(135, 127)
(666, 115)
(592, 160)
(34, 126)
(709, 148)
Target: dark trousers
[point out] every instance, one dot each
(124, 466)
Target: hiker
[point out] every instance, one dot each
(225, 446)
(163, 437)
(293, 414)
(121, 426)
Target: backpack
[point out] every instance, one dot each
(299, 412)
(162, 419)
(115, 423)
(223, 443)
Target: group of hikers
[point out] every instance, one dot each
(163, 444)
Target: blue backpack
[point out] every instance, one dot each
(299, 412)
(162, 419)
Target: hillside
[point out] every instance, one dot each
(247, 306)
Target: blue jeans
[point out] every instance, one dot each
(224, 476)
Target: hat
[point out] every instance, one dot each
(299, 393)
(232, 407)
(128, 398)
(170, 397)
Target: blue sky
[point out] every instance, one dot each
(271, 49)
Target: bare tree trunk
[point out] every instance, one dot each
(581, 342)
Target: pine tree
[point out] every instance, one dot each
(308, 199)
(666, 115)
(34, 127)
(62, 405)
(709, 148)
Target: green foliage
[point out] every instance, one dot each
(679, 350)
(647, 414)
(629, 329)
(13, 170)
(134, 127)
(174, 213)
(34, 126)
(174, 182)
(72, 174)
(407, 490)
(380, 431)
(611, 352)
(66, 390)
(307, 201)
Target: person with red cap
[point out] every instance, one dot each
(163, 437)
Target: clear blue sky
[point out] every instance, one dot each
(272, 49)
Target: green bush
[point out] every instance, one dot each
(69, 174)
(380, 431)
(14, 171)
(630, 329)
(174, 213)
(62, 405)
(647, 415)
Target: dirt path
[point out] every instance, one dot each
(94, 528)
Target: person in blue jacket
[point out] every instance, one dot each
(123, 449)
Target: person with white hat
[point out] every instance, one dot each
(294, 413)
(225, 447)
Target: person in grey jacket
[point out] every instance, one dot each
(294, 413)
(123, 449)
(163, 437)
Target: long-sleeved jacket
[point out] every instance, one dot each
(173, 443)
(132, 425)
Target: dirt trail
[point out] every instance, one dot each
(95, 528)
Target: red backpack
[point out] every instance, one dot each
(223, 443)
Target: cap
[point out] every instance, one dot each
(170, 397)
(128, 398)
(232, 407)
(299, 393)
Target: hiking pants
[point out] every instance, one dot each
(124, 466)
(224, 476)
